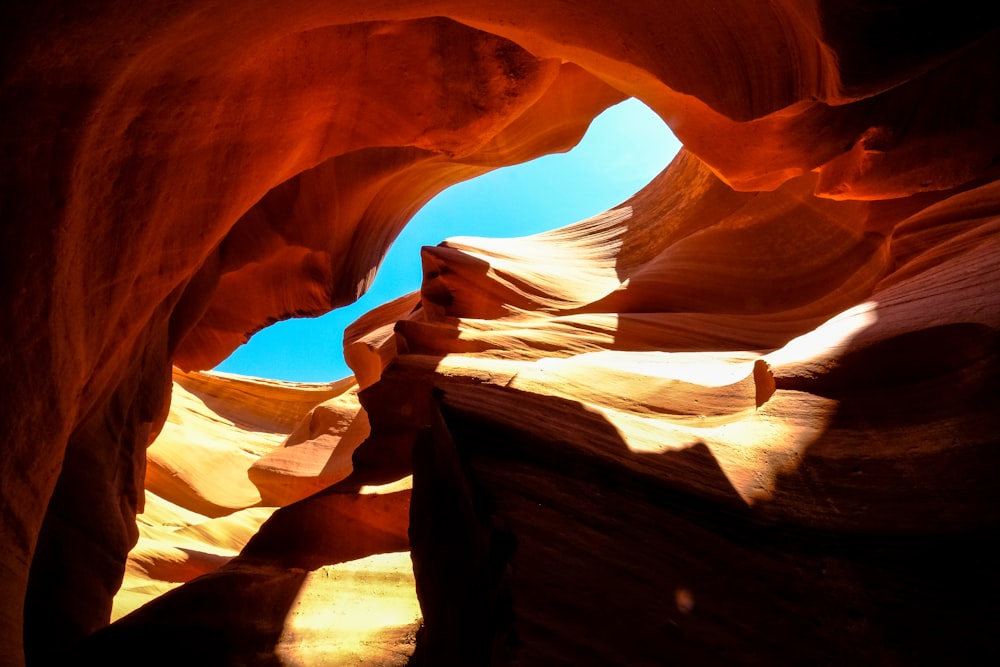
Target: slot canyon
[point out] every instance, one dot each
(743, 418)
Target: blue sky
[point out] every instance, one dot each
(623, 150)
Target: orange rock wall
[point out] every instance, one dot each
(174, 178)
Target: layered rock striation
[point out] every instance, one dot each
(747, 416)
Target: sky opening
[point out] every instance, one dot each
(624, 148)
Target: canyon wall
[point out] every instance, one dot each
(748, 413)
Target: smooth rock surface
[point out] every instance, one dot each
(748, 416)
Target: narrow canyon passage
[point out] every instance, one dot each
(746, 416)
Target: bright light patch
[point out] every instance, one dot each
(347, 612)
(827, 340)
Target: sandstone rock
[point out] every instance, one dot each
(338, 559)
(748, 416)
(315, 455)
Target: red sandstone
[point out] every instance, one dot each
(749, 414)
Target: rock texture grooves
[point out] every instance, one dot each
(746, 417)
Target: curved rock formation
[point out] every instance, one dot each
(749, 413)
(717, 460)
(232, 568)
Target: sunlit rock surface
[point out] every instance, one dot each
(746, 417)
(325, 581)
(746, 468)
